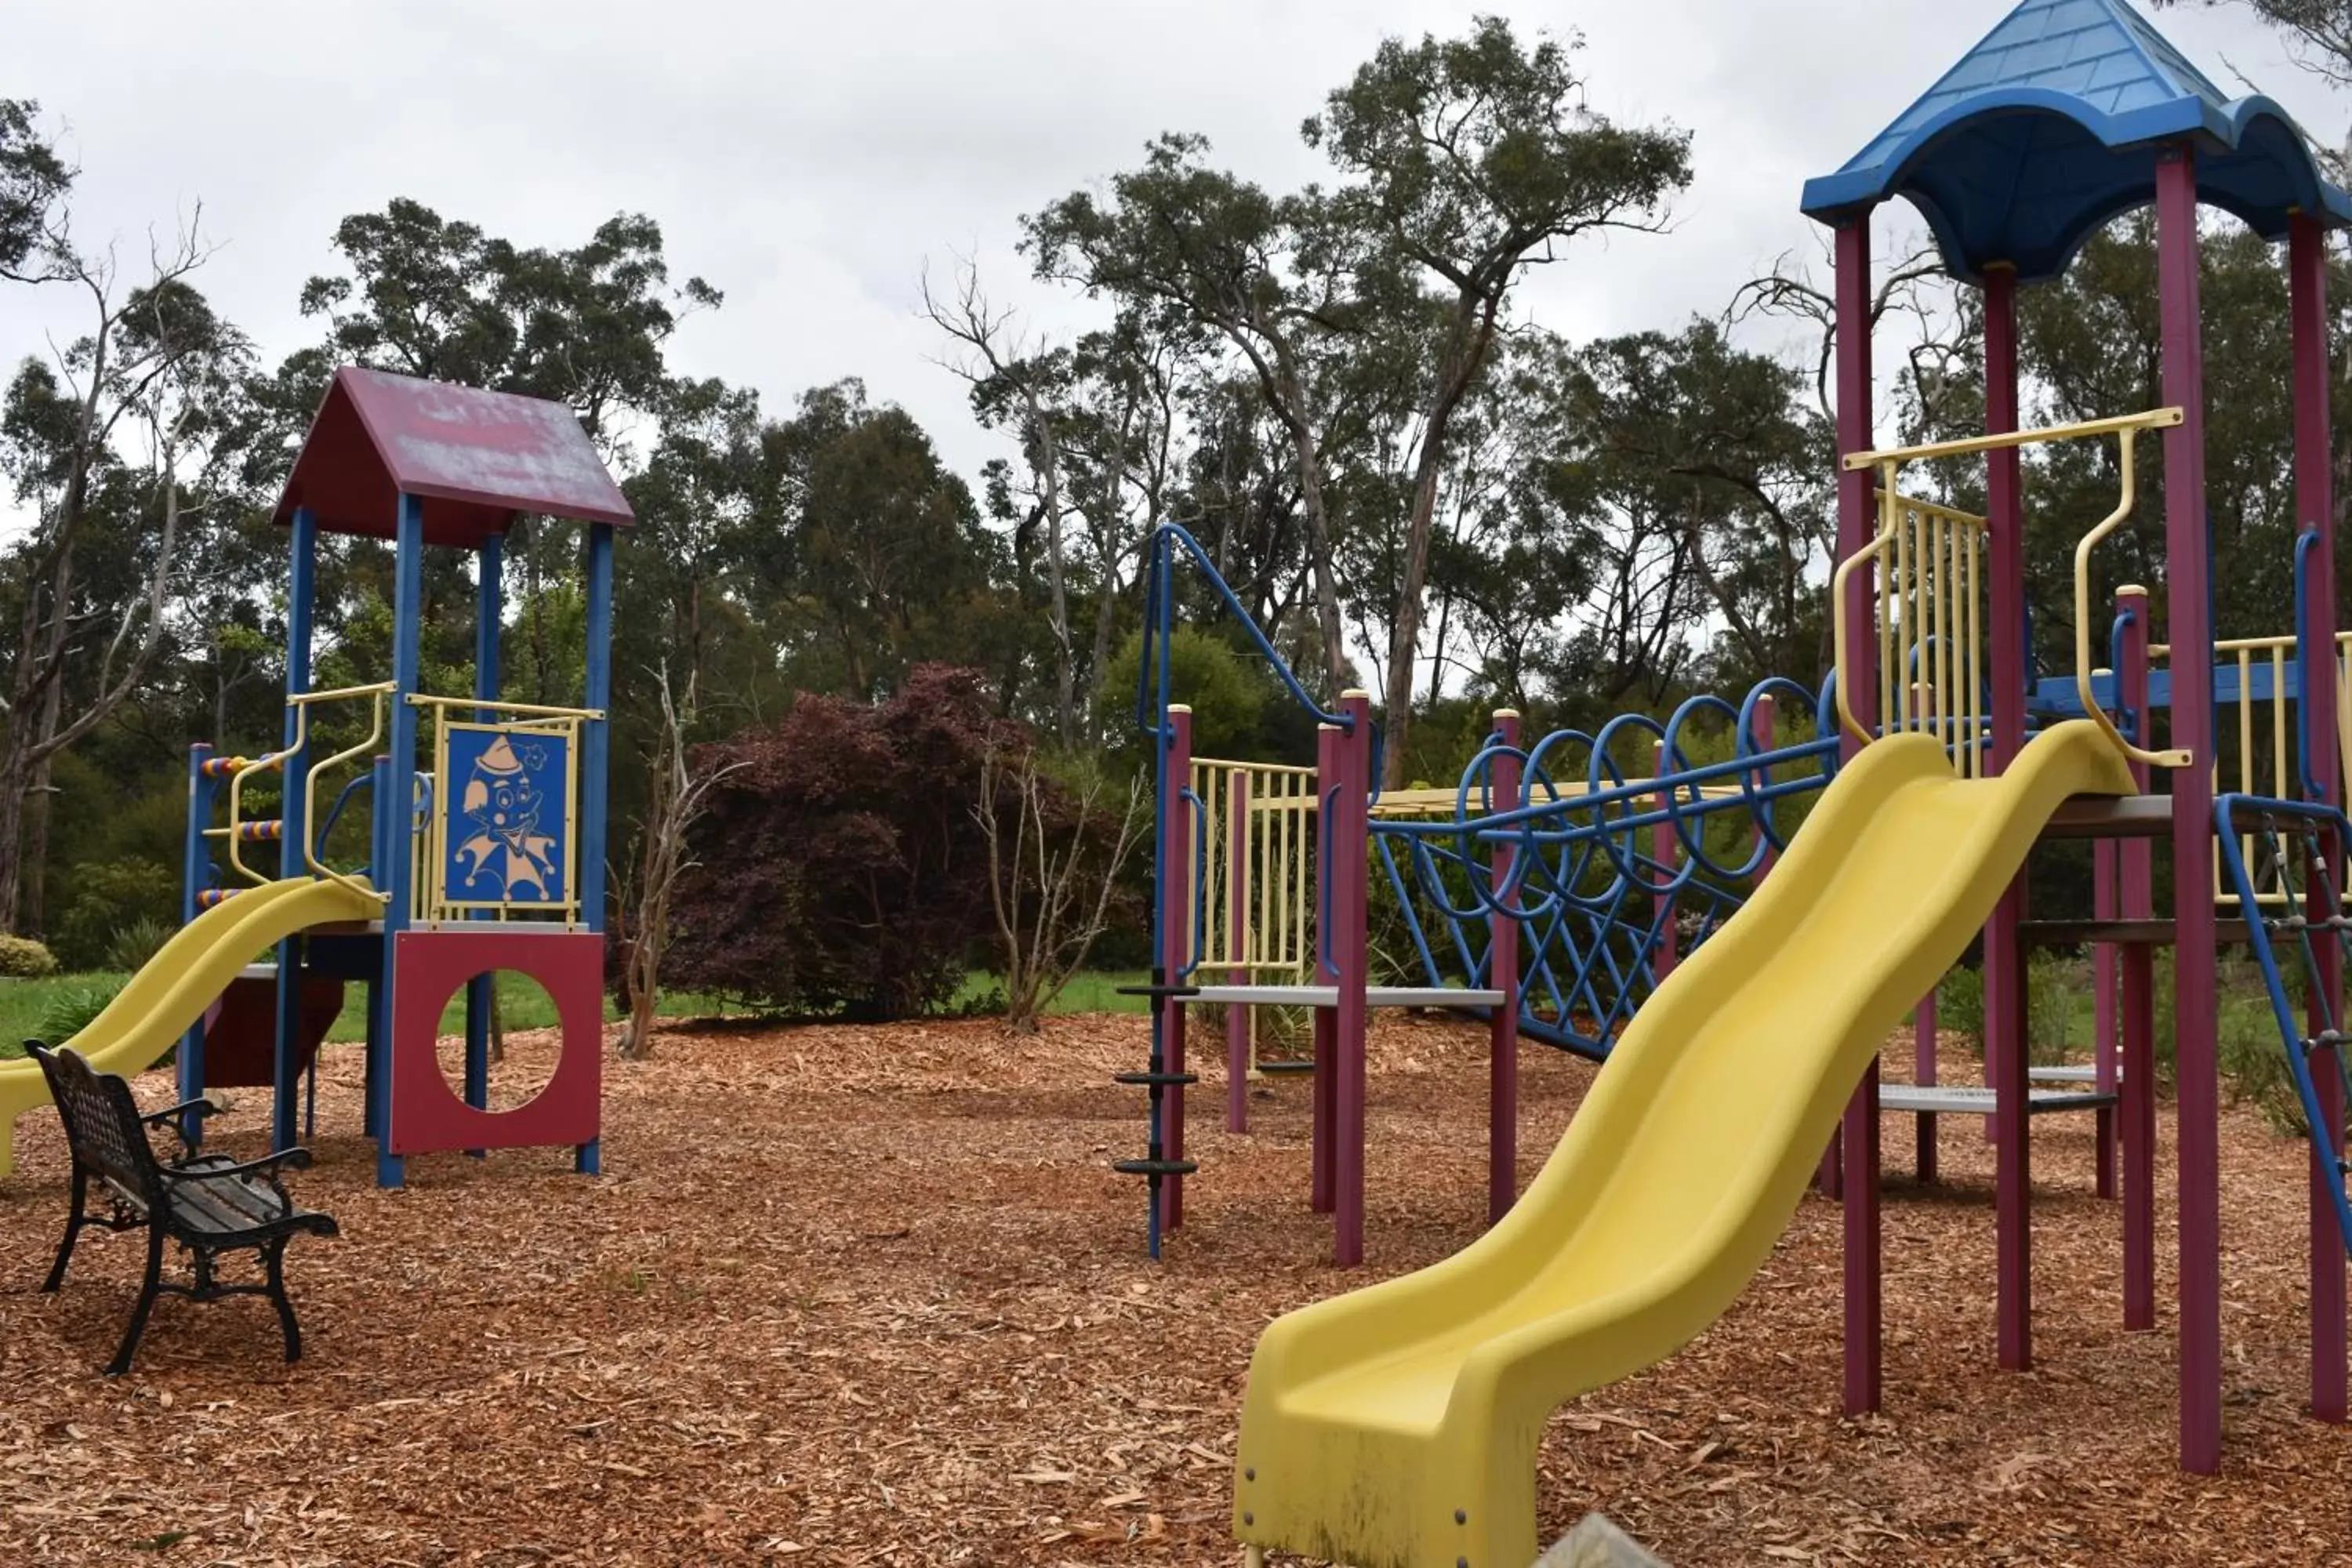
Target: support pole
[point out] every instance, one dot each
(2004, 951)
(1503, 974)
(595, 768)
(301, 579)
(395, 804)
(2106, 980)
(1857, 523)
(1239, 1020)
(1322, 1195)
(2314, 506)
(195, 866)
(480, 994)
(2135, 992)
(1350, 838)
(1175, 953)
(1662, 850)
(2189, 631)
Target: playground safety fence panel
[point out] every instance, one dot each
(2257, 738)
(1254, 911)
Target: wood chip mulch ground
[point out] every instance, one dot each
(873, 1296)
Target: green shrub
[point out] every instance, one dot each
(1960, 1005)
(22, 958)
(69, 1012)
(105, 898)
(130, 946)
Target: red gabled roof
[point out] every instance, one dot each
(475, 459)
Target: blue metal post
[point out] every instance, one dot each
(381, 826)
(300, 590)
(395, 799)
(596, 744)
(195, 858)
(480, 995)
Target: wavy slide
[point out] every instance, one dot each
(1396, 1427)
(157, 1005)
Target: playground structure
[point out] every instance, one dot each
(1399, 1424)
(474, 826)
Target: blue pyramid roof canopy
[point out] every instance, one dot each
(2050, 127)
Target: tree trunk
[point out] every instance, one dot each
(1048, 461)
(1318, 526)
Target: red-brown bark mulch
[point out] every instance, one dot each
(873, 1296)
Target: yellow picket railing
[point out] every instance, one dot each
(1928, 564)
(1274, 870)
(1928, 573)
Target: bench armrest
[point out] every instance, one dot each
(287, 1159)
(199, 1108)
(204, 1105)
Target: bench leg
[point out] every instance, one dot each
(147, 1291)
(273, 1263)
(73, 1230)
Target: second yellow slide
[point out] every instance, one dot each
(1397, 1427)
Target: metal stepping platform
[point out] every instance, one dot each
(1328, 996)
(1963, 1099)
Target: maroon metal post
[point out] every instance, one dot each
(2314, 506)
(1857, 522)
(1351, 878)
(2106, 964)
(2189, 631)
(1503, 974)
(1924, 1022)
(1662, 850)
(1325, 1163)
(1241, 1022)
(1176, 952)
(2135, 995)
(2004, 953)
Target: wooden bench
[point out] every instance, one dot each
(209, 1204)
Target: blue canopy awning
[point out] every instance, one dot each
(2051, 126)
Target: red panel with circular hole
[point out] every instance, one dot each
(430, 966)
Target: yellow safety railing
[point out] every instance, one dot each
(1914, 600)
(2265, 729)
(1929, 562)
(301, 703)
(366, 747)
(1272, 868)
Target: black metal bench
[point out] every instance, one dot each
(209, 1204)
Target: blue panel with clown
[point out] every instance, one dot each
(506, 835)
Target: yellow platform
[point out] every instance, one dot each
(1396, 1427)
(160, 1002)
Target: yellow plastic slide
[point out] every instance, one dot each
(160, 1002)
(1396, 1427)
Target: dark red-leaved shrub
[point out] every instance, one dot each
(840, 868)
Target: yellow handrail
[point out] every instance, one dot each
(336, 693)
(2128, 489)
(2154, 419)
(527, 710)
(1888, 462)
(311, 791)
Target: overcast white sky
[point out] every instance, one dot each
(809, 158)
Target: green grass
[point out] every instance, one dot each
(24, 1003)
(1095, 991)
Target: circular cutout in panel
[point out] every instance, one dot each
(533, 1041)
